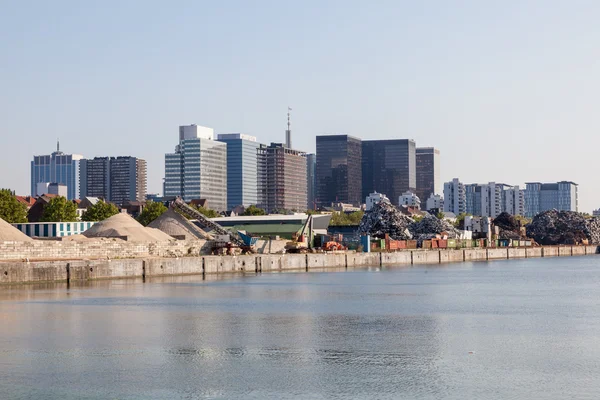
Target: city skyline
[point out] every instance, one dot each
(113, 78)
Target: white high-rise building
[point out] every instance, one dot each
(455, 200)
(198, 168)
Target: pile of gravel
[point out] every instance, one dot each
(9, 233)
(385, 218)
(563, 227)
(124, 227)
(176, 225)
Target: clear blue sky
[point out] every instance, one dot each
(507, 90)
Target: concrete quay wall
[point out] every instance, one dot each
(75, 270)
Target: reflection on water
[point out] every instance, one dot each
(509, 329)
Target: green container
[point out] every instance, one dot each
(451, 243)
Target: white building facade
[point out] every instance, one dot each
(435, 201)
(455, 200)
(410, 199)
(375, 198)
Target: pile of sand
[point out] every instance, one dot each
(174, 224)
(124, 227)
(9, 233)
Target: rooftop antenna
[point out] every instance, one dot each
(57, 145)
(288, 133)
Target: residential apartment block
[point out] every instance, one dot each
(282, 178)
(117, 180)
(455, 198)
(485, 200)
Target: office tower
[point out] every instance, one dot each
(242, 179)
(311, 180)
(57, 167)
(388, 167)
(540, 197)
(117, 180)
(428, 172)
(339, 170)
(197, 169)
(282, 178)
(455, 200)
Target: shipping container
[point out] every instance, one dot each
(411, 244)
(426, 244)
(442, 244)
(451, 243)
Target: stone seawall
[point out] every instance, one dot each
(12, 272)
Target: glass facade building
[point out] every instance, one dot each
(540, 197)
(242, 179)
(388, 167)
(428, 172)
(56, 168)
(198, 168)
(339, 173)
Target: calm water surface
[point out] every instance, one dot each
(527, 329)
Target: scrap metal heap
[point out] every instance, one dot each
(385, 218)
(563, 227)
(430, 226)
(508, 226)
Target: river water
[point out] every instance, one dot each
(518, 329)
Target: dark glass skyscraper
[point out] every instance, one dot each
(428, 173)
(388, 167)
(339, 174)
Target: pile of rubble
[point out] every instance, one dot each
(563, 227)
(385, 218)
(430, 226)
(508, 226)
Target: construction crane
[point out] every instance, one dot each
(215, 228)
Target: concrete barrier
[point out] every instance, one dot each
(327, 260)
(245, 263)
(364, 259)
(517, 252)
(475, 254)
(452, 256)
(294, 262)
(396, 259)
(497, 254)
(564, 251)
(591, 249)
(532, 252)
(577, 250)
(550, 251)
(270, 262)
(426, 257)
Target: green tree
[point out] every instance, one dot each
(253, 210)
(11, 210)
(152, 211)
(59, 209)
(460, 221)
(207, 212)
(339, 218)
(99, 211)
(440, 215)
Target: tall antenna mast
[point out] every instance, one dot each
(288, 133)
